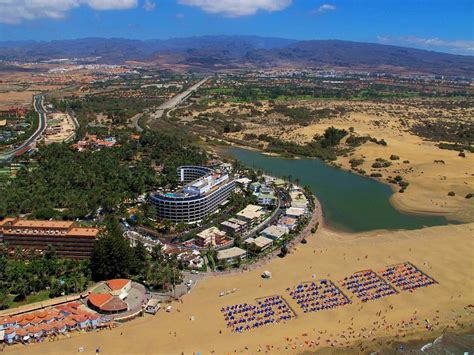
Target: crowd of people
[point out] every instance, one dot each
(367, 285)
(269, 310)
(406, 276)
(317, 296)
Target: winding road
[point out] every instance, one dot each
(39, 108)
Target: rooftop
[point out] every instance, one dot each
(260, 242)
(23, 223)
(275, 231)
(99, 299)
(230, 253)
(207, 233)
(117, 284)
(251, 212)
(293, 211)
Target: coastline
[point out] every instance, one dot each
(452, 215)
(196, 324)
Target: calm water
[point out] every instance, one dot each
(349, 201)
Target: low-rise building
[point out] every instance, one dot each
(288, 222)
(267, 200)
(231, 255)
(255, 186)
(251, 214)
(295, 212)
(210, 237)
(298, 199)
(259, 244)
(243, 182)
(275, 232)
(234, 226)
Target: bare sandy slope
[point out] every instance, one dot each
(445, 253)
(430, 181)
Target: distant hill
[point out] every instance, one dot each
(227, 52)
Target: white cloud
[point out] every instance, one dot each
(16, 11)
(149, 5)
(325, 8)
(235, 8)
(455, 46)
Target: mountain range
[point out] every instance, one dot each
(210, 53)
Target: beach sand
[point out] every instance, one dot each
(444, 253)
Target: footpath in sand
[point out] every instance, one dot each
(444, 253)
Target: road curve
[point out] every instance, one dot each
(39, 108)
(172, 103)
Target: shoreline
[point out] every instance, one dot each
(451, 216)
(327, 254)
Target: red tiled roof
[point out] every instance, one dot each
(99, 299)
(117, 284)
(70, 322)
(7, 320)
(23, 322)
(21, 332)
(73, 304)
(10, 330)
(80, 318)
(115, 305)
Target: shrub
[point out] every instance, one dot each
(451, 193)
(376, 165)
(470, 195)
(394, 157)
(376, 175)
(356, 162)
(462, 154)
(406, 162)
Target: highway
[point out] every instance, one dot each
(171, 103)
(39, 108)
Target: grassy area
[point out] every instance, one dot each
(38, 297)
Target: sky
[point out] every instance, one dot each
(441, 25)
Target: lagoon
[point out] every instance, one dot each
(350, 202)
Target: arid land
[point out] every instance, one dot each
(432, 173)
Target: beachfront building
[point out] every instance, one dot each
(298, 199)
(203, 194)
(295, 212)
(211, 237)
(191, 259)
(231, 255)
(109, 297)
(152, 306)
(288, 222)
(275, 232)
(259, 244)
(252, 214)
(68, 239)
(35, 325)
(234, 226)
(267, 199)
(119, 287)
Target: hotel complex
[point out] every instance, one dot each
(68, 239)
(204, 191)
